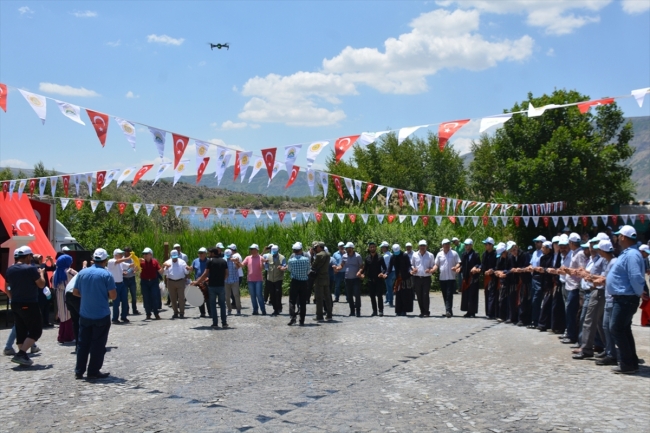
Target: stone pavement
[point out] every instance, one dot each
(390, 374)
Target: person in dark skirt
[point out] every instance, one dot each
(502, 285)
(547, 284)
(469, 267)
(403, 288)
(488, 266)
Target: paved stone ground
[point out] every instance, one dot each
(389, 374)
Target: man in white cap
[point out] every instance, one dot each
(572, 286)
(389, 281)
(198, 268)
(609, 355)
(253, 263)
(95, 285)
(547, 283)
(149, 277)
(469, 268)
(236, 257)
(176, 270)
(536, 282)
(232, 283)
(488, 266)
(374, 269)
(181, 254)
(445, 262)
(422, 264)
(115, 268)
(351, 263)
(339, 277)
(276, 265)
(299, 267)
(409, 250)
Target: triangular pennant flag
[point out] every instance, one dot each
(341, 216)
(380, 218)
(277, 167)
(180, 168)
(447, 129)
(324, 182)
(180, 144)
(32, 186)
(244, 212)
(100, 123)
(109, 177)
(70, 111)
(389, 192)
(585, 220)
(364, 217)
(391, 218)
(535, 112)
(269, 159)
(12, 186)
(545, 220)
(429, 200)
(348, 184)
(357, 189)
(485, 219)
(178, 210)
(149, 207)
(555, 220)
(121, 206)
(42, 183)
(258, 213)
(526, 220)
(128, 129)
(535, 220)
(78, 203)
(495, 221)
(159, 140)
(329, 216)
(93, 205)
(517, 219)
(425, 220)
(353, 218)
(313, 150)
(368, 190)
(414, 219)
(38, 103)
(294, 175)
(623, 218)
(337, 184)
(633, 219)
(475, 220)
(461, 220)
(125, 173)
(294, 215)
(369, 137)
(504, 220)
(77, 182)
(64, 203)
(193, 210)
(452, 219)
(594, 220)
(638, 94)
(604, 219)
(575, 221)
(585, 106)
(164, 209)
(108, 205)
(145, 168)
(311, 179)
(3, 97)
(614, 220)
(488, 122)
(290, 155)
(89, 182)
(219, 212)
(201, 169)
(318, 216)
(379, 188)
(205, 211)
(221, 168)
(402, 218)
(305, 216)
(565, 220)
(404, 133)
(257, 166)
(342, 145)
(101, 178)
(136, 207)
(438, 219)
(244, 162)
(231, 212)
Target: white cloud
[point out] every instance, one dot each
(438, 40)
(557, 17)
(550, 52)
(114, 44)
(229, 124)
(25, 10)
(131, 95)
(84, 14)
(636, 6)
(14, 163)
(164, 39)
(220, 142)
(67, 90)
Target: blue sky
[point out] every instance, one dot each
(298, 72)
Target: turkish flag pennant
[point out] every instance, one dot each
(121, 207)
(100, 123)
(281, 215)
(446, 130)
(294, 175)
(206, 211)
(400, 197)
(614, 219)
(237, 164)
(143, 170)
(5, 188)
(425, 220)
(353, 218)
(517, 220)
(3, 97)
(201, 169)
(66, 184)
(421, 201)
(642, 218)
(180, 144)
(32, 186)
(244, 212)
(584, 221)
(391, 218)
(269, 159)
(78, 203)
(101, 176)
(585, 106)
(452, 219)
(545, 219)
(343, 144)
(163, 209)
(368, 191)
(485, 220)
(318, 216)
(443, 202)
(337, 184)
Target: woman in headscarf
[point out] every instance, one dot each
(62, 275)
(403, 287)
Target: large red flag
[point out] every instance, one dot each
(143, 170)
(100, 123)
(446, 130)
(237, 164)
(337, 184)
(293, 177)
(343, 144)
(180, 143)
(66, 184)
(201, 170)
(269, 159)
(3, 97)
(101, 176)
(585, 106)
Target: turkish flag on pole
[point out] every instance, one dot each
(180, 143)
(343, 144)
(143, 170)
(3, 97)
(101, 175)
(294, 175)
(585, 106)
(201, 169)
(66, 184)
(100, 123)
(269, 159)
(446, 130)
(237, 164)
(337, 184)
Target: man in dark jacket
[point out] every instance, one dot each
(374, 266)
(322, 295)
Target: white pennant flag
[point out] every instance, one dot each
(535, 112)
(429, 200)
(594, 220)
(475, 220)
(438, 220)
(231, 212)
(290, 155)
(77, 182)
(221, 168)
(504, 220)
(454, 202)
(294, 215)
(269, 214)
(565, 220)
(37, 102)
(414, 219)
(70, 111)
(258, 213)
(369, 137)
(535, 220)
(64, 203)
(149, 207)
(379, 188)
(219, 212)
(109, 177)
(164, 166)
(305, 216)
(89, 182)
(380, 218)
(159, 140)
(555, 220)
(389, 191)
(526, 220)
(53, 181)
(364, 217)
(180, 168)
(93, 204)
(178, 210)
(633, 218)
(624, 218)
(193, 210)
(437, 200)
(402, 218)
(357, 189)
(405, 132)
(108, 205)
(257, 166)
(639, 95)
(124, 175)
(244, 162)
(311, 178)
(329, 216)
(128, 129)
(324, 181)
(461, 219)
(412, 197)
(136, 207)
(12, 186)
(604, 218)
(313, 150)
(348, 184)
(488, 122)
(495, 221)
(42, 183)
(277, 167)
(575, 221)
(341, 216)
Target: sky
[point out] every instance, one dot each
(298, 72)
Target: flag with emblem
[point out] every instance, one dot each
(161, 169)
(137, 207)
(180, 168)
(159, 140)
(149, 207)
(128, 129)
(244, 162)
(126, 173)
(64, 203)
(109, 177)
(313, 150)
(94, 204)
(290, 155)
(324, 181)
(311, 180)
(37, 102)
(257, 166)
(70, 111)
(294, 175)
(108, 205)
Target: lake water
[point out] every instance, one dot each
(197, 221)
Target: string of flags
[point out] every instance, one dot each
(485, 220)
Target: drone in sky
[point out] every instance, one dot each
(219, 46)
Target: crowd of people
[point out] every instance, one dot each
(584, 289)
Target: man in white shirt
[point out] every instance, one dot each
(422, 264)
(114, 266)
(175, 271)
(572, 286)
(445, 261)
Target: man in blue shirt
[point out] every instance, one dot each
(339, 277)
(625, 284)
(299, 266)
(198, 267)
(95, 285)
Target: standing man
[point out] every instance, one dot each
(536, 282)
(95, 286)
(128, 277)
(322, 295)
(149, 275)
(339, 277)
(373, 268)
(524, 288)
(351, 263)
(409, 250)
(390, 276)
(445, 262)
(460, 249)
(232, 283)
(253, 263)
(572, 286)
(115, 268)
(181, 254)
(298, 266)
(625, 283)
(198, 268)
(235, 257)
(469, 268)
(176, 270)
(422, 264)
(26, 281)
(488, 266)
(216, 273)
(276, 265)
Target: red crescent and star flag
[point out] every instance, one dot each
(180, 144)
(100, 123)
(447, 129)
(343, 144)
(269, 159)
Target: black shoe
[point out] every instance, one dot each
(619, 370)
(542, 329)
(448, 315)
(215, 326)
(157, 316)
(202, 315)
(374, 313)
(255, 313)
(507, 321)
(78, 376)
(582, 355)
(115, 322)
(422, 315)
(606, 361)
(351, 314)
(136, 313)
(464, 315)
(292, 321)
(520, 324)
(125, 320)
(98, 375)
(531, 327)
(601, 355)
(225, 325)
(148, 317)
(275, 314)
(381, 314)
(264, 313)
(336, 300)
(568, 341)
(182, 315)
(302, 323)
(175, 316)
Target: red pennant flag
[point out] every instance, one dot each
(400, 197)
(237, 164)
(78, 203)
(443, 202)
(180, 144)
(293, 177)
(642, 218)
(425, 220)
(201, 170)
(614, 219)
(319, 216)
(143, 170)
(485, 220)
(585, 106)
(206, 211)
(32, 186)
(66, 184)
(163, 209)
(421, 201)
(122, 207)
(337, 184)
(353, 218)
(545, 219)
(100, 123)
(269, 159)
(517, 220)
(281, 215)
(5, 188)
(343, 144)
(101, 176)
(3, 97)
(368, 191)
(244, 212)
(452, 219)
(446, 130)
(584, 221)
(391, 218)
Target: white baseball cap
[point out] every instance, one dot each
(408, 244)
(574, 237)
(349, 245)
(219, 245)
(602, 236)
(644, 248)
(444, 241)
(100, 255)
(117, 251)
(384, 244)
(147, 251)
(227, 252)
(177, 245)
(606, 246)
(297, 246)
(422, 243)
(539, 238)
(501, 247)
(22, 251)
(555, 239)
(341, 244)
(468, 241)
(627, 231)
(65, 249)
(564, 240)
(203, 250)
(173, 254)
(489, 240)
(232, 246)
(254, 247)
(454, 239)
(510, 244)
(547, 244)
(396, 248)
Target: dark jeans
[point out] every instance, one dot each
(132, 289)
(620, 327)
(44, 305)
(448, 287)
(217, 294)
(298, 294)
(572, 305)
(376, 288)
(538, 296)
(150, 296)
(421, 287)
(339, 280)
(93, 334)
(123, 299)
(275, 294)
(74, 306)
(353, 293)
